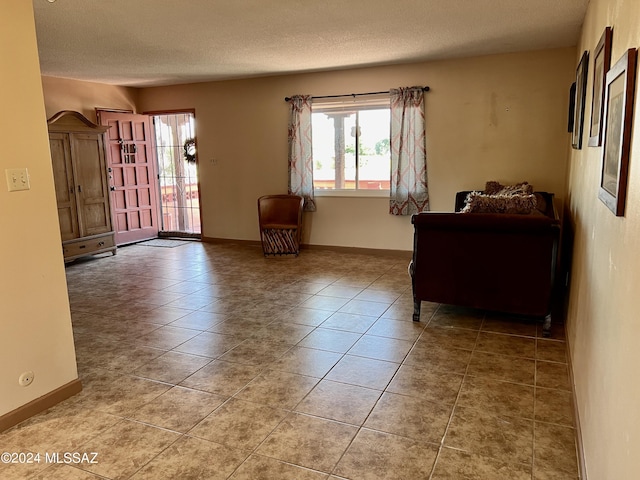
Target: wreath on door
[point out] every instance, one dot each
(190, 150)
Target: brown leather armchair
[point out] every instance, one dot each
(280, 219)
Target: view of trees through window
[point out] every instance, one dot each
(351, 148)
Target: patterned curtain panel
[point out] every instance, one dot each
(300, 154)
(409, 192)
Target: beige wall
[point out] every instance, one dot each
(604, 312)
(498, 117)
(85, 97)
(34, 317)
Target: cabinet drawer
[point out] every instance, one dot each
(88, 246)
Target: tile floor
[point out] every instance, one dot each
(212, 362)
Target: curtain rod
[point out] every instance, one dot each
(286, 99)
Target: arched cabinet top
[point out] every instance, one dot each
(70, 121)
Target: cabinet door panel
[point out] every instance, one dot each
(64, 185)
(95, 218)
(92, 191)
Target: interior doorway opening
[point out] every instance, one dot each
(177, 174)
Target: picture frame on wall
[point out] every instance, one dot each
(572, 107)
(617, 117)
(581, 91)
(601, 64)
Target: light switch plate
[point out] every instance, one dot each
(17, 179)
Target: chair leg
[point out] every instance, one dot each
(546, 326)
(416, 310)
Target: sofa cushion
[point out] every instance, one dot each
(477, 202)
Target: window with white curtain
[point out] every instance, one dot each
(351, 154)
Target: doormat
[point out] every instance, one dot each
(162, 242)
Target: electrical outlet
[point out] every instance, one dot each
(17, 179)
(26, 378)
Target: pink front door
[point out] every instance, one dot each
(132, 176)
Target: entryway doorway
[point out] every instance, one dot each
(179, 189)
(153, 174)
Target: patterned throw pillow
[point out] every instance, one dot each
(495, 188)
(477, 202)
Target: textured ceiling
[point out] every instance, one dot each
(163, 42)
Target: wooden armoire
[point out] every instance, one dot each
(82, 191)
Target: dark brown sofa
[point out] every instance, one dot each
(497, 262)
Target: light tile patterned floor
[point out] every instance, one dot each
(212, 362)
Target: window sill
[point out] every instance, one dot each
(352, 193)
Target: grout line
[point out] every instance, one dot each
(455, 403)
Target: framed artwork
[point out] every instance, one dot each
(581, 90)
(601, 64)
(572, 107)
(617, 118)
